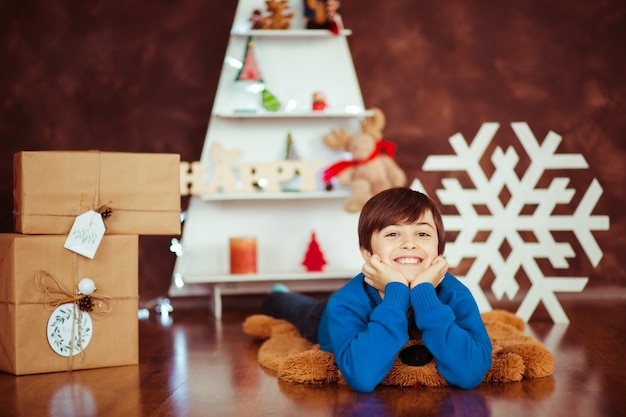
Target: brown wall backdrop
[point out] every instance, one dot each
(140, 76)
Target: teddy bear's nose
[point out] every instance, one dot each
(415, 355)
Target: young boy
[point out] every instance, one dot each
(404, 282)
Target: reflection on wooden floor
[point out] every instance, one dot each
(197, 366)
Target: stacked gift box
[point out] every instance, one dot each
(49, 324)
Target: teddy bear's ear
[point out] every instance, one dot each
(337, 139)
(374, 124)
(503, 317)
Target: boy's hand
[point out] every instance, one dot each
(377, 274)
(433, 274)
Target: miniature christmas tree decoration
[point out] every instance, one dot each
(269, 101)
(291, 154)
(249, 70)
(314, 258)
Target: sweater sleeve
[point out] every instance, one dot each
(366, 338)
(453, 331)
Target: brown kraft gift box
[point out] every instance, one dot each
(51, 188)
(24, 345)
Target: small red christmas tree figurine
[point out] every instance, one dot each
(314, 258)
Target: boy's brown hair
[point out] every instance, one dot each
(397, 206)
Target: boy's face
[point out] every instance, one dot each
(409, 248)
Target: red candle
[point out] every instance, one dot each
(243, 255)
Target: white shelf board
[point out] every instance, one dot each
(295, 115)
(317, 33)
(287, 195)
(268, 277)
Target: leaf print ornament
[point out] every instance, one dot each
(69, 330)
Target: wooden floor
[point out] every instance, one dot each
(197, 366)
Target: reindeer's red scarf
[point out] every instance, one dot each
(383, 147)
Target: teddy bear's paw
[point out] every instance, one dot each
(309, 367)
(260, 325)
(505, 367)
(281, 346)
(538, 360)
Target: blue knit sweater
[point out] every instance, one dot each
(365, 332)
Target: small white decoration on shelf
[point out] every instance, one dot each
(223, 177)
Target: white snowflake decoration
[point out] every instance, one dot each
(504, 221)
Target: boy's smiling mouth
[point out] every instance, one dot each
(406, 260)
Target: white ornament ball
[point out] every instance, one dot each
(86, 286)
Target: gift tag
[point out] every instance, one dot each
(86, 234)
(62, 339)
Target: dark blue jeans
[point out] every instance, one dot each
(302, 311)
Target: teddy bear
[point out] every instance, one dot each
(277, 18)
(515, 355)
(321, 14)
(372, 168)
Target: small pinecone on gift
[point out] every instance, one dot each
(106, 212)
(86, 304)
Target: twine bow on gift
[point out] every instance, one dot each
(55, 294)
